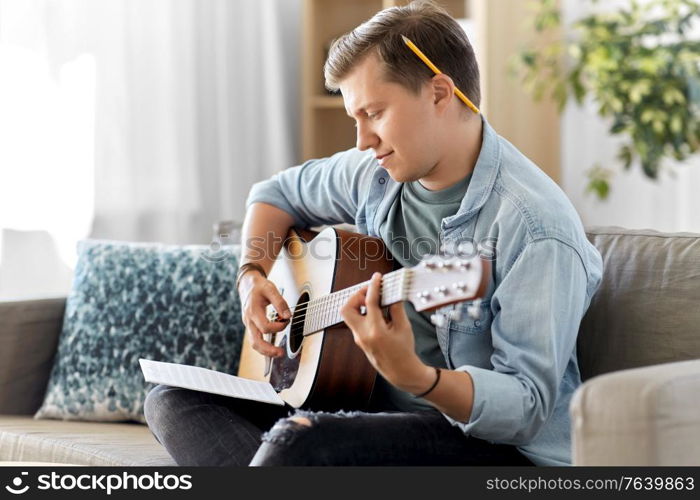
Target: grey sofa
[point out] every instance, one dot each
(29, 333)
(639, 352)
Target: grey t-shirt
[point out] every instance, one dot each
(410, 231)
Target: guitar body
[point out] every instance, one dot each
(324, 370)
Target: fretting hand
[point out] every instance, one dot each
(388, 344)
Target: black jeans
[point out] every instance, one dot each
(205, 429)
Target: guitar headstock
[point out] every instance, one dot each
(441, 280)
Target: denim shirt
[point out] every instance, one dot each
(521, 351)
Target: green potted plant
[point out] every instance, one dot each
(639, 65)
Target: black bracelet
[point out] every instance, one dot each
(437, 379)
(248, 266)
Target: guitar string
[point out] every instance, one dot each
(390, 288)
(393, 284)
(390, 281)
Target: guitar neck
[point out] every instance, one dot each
(437, 281)
(323, 312)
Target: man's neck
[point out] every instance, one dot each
(463, 148)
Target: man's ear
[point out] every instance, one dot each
(443, 89)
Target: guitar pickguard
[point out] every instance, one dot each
(283, 370)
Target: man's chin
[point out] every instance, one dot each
(395, 175)
(398, 175)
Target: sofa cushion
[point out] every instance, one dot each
(29, 332)
(647, 309)
(81, 443)
(140, 300)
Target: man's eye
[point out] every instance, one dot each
(373, 116)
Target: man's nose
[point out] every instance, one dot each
(366, 138)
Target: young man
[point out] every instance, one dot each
(496, 389)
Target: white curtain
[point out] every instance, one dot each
(635, 201)
(200, 103)
(141, 120)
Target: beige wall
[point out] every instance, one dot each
(502, 29)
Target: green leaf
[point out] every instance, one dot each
(560, 95)
(529, 58)
(601, 188)
(676, 124)
(598, 181)
(650, 167)
(625, 155)
(647, 116)
(617, 127)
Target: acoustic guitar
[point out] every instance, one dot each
(316, 273)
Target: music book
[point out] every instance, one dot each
(204, 380)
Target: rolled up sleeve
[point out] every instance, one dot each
(321, 191)
(537, 310)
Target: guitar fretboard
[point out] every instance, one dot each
(323, 312)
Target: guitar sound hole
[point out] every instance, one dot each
(296, 332)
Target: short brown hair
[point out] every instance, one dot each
(430, 27)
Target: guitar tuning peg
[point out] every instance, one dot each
(456, 314)
(438, 319)
(465, 264)
(474, 309)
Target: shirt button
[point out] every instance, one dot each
(382, 180)
(477, 323)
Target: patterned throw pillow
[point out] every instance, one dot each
(140, 300)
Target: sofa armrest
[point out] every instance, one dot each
(29, 331)
(643, 416)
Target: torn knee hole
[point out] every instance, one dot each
(301, 420)
(287, 430)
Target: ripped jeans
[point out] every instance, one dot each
(205, 429)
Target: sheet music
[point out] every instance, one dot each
(204, 380)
